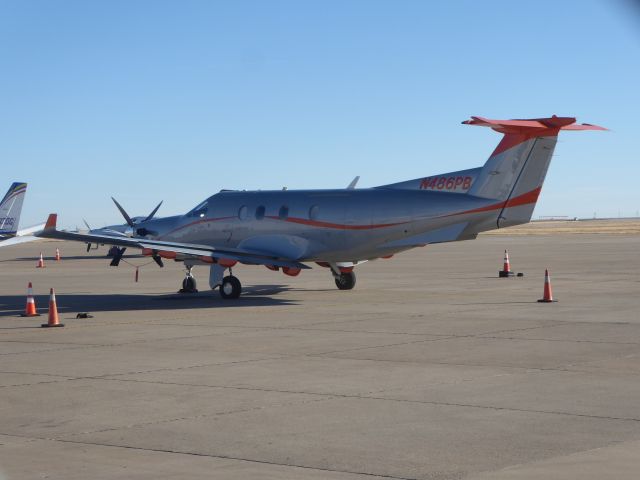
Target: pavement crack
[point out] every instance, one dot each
(201, 416)
(386, 399)
(208, 455)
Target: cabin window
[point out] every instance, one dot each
(313, 212)
(260, 212)
(242, 212)
(283, 213)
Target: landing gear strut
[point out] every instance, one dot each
(189, 282)
(345, 281)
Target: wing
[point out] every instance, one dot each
(17, 240)
(204, 253)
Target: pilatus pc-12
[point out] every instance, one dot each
(339, 229)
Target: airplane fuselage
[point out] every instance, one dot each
(322, 225)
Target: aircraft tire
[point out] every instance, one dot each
(189, 285)
(230, 287)
(346, 281)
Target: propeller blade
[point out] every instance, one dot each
(353, 183)
(124, 214)
(158, 260)
(117, 257)
(86, 223)
(153, 212)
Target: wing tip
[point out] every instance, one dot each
(52, 220)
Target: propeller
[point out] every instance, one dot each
(123, 212)
(153, 212)
(129, 220)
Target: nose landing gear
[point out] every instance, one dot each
(189, 282)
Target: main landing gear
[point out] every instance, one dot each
(230, 286)
(344, 277)
(345, 281)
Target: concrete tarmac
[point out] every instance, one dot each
(431, 368)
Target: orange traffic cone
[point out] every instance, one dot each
(53, 312)
(506, 268)
(30, 309)
(40, 263)
(548, 295)
(57, 254)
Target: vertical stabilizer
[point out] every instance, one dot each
(10, 209)
(515, 171)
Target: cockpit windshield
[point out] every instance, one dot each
(200, 210)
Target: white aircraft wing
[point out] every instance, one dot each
(17, 240)
(30, 230)
(187, 249)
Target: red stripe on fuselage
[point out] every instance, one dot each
(301, 221)
(341, 226)
(524, 199)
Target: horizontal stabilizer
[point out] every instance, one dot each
(532, 125)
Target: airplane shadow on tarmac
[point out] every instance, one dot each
(70, 304)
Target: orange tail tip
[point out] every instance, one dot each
(548, 294)
(30, 309)
(54, 321)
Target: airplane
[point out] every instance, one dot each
(342, 228)
(10, 210)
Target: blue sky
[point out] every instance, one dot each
(173, 101)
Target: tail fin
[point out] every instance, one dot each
(517, 167)
(11, 207)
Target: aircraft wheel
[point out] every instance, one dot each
(189, 285)
(346, 281)
(230, 287)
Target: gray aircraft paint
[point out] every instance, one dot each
(286, 228)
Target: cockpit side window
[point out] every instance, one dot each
(200, 211)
